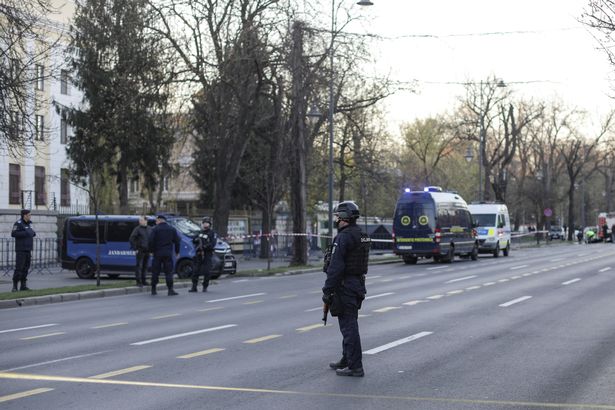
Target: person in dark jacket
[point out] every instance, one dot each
(344, 288)
(162, 241)
(23, 234)
(204, 244)
(139, 241)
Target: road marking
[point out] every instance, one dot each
(201, 353)
(386, 280)
(504, 280)
(236, 297)
(24, 394)
(313, 309)
(605, 269)
(386, 309)
(454, 292)
(408, 399)
(435, 297)
(527, 274)
(557, 259)
(196, 332)
(374, 277)
(518, 267)
(253, 302)
(460, 279)
(474, 287)
(414, 302)
(437, 267)
(109, 325)
(515, 277)
(379, 296)
(41, 336)
(308, 328)
(515, 301)
(165, 316)
(210, 309)
(55, 361)
(120, 372)
(571, 281)
(488, 283)
(397, 343)
(28, 328)
(315, 291)
(261, 339)
(288, 296)
(241, 280)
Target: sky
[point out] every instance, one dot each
(544, 52)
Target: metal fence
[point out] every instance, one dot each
(45, 255)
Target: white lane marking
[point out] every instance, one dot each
(460, 279)
(241, 280)
(27, 328)
(454, 292)
(397, 343)
(473, 287)
(42, 336)
(515, 301)
(196, 332)
(557, 259)
(435, 297)
(314, 309)
(504, 280)
(518, 267)
(414, 302)
(605, 269)
(120, 372)
(488, 283)
(515, 277)
(386, 280)
(438, 267)
(56, 361)
(374, 277)
(24, 394)
(386, 309)
(379, 296)
(236, 297)
(570, 281)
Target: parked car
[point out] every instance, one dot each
(556, 232)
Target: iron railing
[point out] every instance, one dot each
(45, 256)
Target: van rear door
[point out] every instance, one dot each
(414, 224)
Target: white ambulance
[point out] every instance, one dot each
(492, 226)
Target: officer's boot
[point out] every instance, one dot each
(194, 285)
(23, 285)
(154, 284)
(138, 279)
(15, 282)
(170, 292)
(144, 280)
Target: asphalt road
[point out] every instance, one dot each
(530, 331)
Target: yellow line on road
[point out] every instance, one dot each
(287, 296)
(262, 339)
(478, 402)
(310, 327)
(253, 302)
(109, 325)
(41, 336)
(165, 316)
(23, 394)
(119, 372)
(201, 353)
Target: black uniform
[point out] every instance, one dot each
(24, 240)
(344, 289)
(205, 243)
(162, 240)
(139, 241)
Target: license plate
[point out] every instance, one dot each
(405, 247)
(228, 264)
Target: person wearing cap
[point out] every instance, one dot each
(162, 241)
(24, 240)
(204, 244)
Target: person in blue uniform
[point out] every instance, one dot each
(24, 240)
(162, 241)
(344, 288)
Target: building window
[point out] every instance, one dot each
(15, 128)
(165, 184)
(63, 131)
(38, 132)
(40, 77)
(39, 186)
(14, 183)
(15, 69)
(64, 79)
(64, 187)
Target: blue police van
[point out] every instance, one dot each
(116, 256)
(433, 224)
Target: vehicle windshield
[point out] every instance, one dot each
(185, 226)
(484, 219)
(415, 211)
(556, 229)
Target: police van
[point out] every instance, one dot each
(433, 224)
(116, 257)
(493, 227)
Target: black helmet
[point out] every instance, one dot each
(347, 210)
(206, 220)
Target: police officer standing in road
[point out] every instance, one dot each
(204, 244)
(344, 288)
(23, 234)
(162, 240)
(139, 241)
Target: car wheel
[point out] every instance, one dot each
(496, 252)
(506, 250)
(85, 268)
(474, 254)
(410, 260)
(450, 256)
(184, 268)
(113, 275)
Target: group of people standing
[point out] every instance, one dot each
(162, 241)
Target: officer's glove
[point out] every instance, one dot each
(327, 299)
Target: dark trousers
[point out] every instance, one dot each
(141, 268)
(352, 354)
(202, 267)
(22, 266)
(164, 264)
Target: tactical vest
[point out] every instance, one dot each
(358, 258)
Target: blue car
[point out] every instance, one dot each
(116, 257)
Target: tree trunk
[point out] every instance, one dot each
(571, 211)
(122, 184)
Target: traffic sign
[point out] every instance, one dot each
(548, 212)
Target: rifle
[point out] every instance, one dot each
(325, 313)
